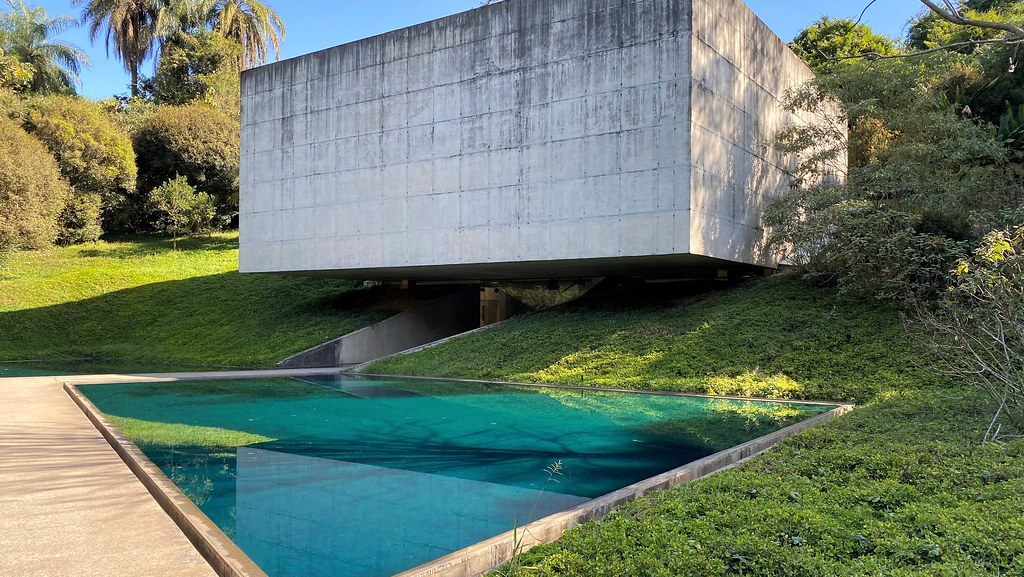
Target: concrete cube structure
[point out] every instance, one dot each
(523, 139)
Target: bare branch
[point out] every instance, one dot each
(951, 14)
(880, 56)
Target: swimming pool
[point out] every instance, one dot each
(369, 477)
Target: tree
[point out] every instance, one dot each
(27, 33)
(32, 192)
(184, 210)
(129, 30)
(955, 15)
(197, 142)
(829, 41)
(14, 74)
(252, 25)
(94, 157)
(921, 179)
(198, 68)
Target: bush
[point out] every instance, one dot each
(922, 180)
(79, 222)
(979, 326)
(184, 210)
(196, 142)
(93, 155)
(32, 192)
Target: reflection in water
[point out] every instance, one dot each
(360, 477)
(344, 518)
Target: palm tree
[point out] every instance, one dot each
(253, 25)
(178, 18)
(26, 35)
(129, 30)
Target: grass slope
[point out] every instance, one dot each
(899, 487)
(771, 338)
(138, 300)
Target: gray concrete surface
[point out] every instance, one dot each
(69, 506)
(450, 315)
(523, 139)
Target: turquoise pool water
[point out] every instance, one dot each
(356, 477)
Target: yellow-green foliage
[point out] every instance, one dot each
(198, 142)
(14, 74)
(32, 192)
(94, 156)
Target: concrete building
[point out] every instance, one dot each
(523, 139)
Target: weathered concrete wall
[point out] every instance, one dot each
(741, 72)
(450, 315)
(524, 138)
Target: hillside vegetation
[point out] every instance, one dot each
(903, 486)
(139, 300)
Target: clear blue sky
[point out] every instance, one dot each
(317, 24)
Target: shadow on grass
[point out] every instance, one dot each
(224, 319)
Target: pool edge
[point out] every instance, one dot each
(223, 555)
(494, 552)
(228, 560)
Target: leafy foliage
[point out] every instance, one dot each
(80, 220)
(930, 31)
(202, 68)
(32, 192)
(129, 30)
(184, 210)
(253, 26)
(772, 338)
(982, 322)
(26, 34)
(920, 178)
(94, 157)
(14, 74)
(197, 142)
(827, 43)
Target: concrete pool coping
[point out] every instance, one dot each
(228, 560)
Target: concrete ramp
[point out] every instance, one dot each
(450, 315)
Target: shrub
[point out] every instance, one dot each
(921, 180)
(32, 192)
(80, 220)
(184, 210)
(982, 320)
(196, 142)
(93, 155)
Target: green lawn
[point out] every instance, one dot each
(900, 487)
(139, 300)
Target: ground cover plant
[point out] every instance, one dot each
(902, 486)
(137, 299)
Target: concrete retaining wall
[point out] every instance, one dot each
(456, 313)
